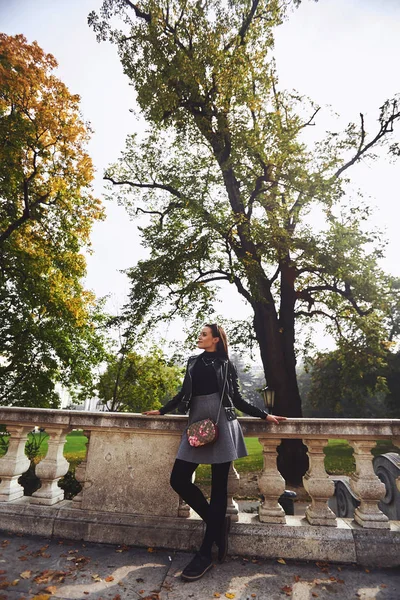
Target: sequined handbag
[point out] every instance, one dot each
(205, 431)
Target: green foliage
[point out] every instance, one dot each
(134, 383)
(353, 384)
(50, 326)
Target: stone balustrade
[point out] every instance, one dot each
(126, 496)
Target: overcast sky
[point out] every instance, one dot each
(342, 53)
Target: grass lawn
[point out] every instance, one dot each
(339, 454)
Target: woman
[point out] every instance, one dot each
(207, 377)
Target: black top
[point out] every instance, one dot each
(204, 377)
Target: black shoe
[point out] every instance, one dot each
(197, 567)
(223, 545)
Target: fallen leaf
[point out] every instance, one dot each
(281, 561)
(96, 577)
(254, 595)
(117, 597)
(216, 595)
(25, 574)
(229, 595)
(51, 589)
(44, 576)
(50, 576)
(297, 578)
(141, 592)
(314, 595)
(41, 597)
(109, 578)
(367, 571)
(15, 582)
(5, 584)
(150, 549)
(383, 585)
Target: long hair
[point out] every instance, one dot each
(218, 331)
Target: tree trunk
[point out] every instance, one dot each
(275, 337)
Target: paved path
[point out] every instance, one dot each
(40, 569)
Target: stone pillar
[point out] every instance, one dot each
(319, 486)
(233, 488)
(14, 463)
(271, 484)
(368, 488)
(80, 474)
(51, 468)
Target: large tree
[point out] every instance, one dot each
(50, 326)
(225, 181)
(134, 382)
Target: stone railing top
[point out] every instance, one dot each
(292, 428)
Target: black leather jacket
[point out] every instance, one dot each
(232, 396)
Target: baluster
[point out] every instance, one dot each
(233, 489)
(319, 486)
(14, 463)
(80, 474)
(396, 442)
(183, 509)
(368, 488)
(271, 484)
(51, 468)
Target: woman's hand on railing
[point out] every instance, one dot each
(150, 413)
(275, 419)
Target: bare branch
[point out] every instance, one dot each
(385, 128)
(275, 275)
(245, 26)
(310, 121)
(305, 294)
(313, 313)
(156, 186)
(139, 13)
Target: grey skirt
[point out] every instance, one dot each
(230, 443)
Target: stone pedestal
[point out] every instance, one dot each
(318, 485)
(271, 484)
(368, 488)
(14, 463)
(51, 468)
(129, 472)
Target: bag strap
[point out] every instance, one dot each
(223, 392)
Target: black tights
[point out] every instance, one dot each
(212, 513)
